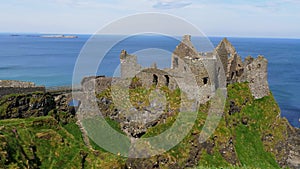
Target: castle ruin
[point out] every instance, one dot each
(200, 76)
(209, 70)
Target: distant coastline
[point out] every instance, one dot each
(59, 36)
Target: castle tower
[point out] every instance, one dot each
(129, 65)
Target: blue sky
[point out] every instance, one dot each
(256, 18)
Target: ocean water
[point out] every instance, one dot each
(51, 61)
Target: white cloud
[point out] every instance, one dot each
(292, 1)
(171, 4)
(65, 2)
(80, 3)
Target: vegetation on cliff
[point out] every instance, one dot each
(250, 134)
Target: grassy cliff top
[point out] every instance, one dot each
(249, 135)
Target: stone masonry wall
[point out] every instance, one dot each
(152, 76)
(129, 65)
(14, 83)
(251, 70)
(96, 83)
(256, 73)
(18, 87)
(205, 70)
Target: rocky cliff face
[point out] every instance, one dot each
(254, 124)
(26, 105)
(293, 148)
(37, 104)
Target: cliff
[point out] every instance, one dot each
(250, 134)
(26, 105)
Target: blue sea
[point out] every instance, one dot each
(51, 61)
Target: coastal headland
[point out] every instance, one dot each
(40, 127)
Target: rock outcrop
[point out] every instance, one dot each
(26, 105)
(293, 148)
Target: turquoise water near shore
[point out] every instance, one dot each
(50, 61)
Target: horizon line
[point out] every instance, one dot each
(213, 36)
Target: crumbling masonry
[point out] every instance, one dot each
(205, 68)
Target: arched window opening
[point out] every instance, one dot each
(155, 79)
(167, 80)
(205, 80)
(232, 75)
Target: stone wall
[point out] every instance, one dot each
(199, 72)
(195, 72)
(251, 70)
(18, 87)
(14, 83)
(185, 57)
(96, 83)
(256, 73)
(232, 62)
(222, 52)
(156, 77)
(129, 65)
(235, 69)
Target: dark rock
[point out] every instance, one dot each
(150, 163)
(228, 152)
(233, 108)
(27, 105)
(245, 120)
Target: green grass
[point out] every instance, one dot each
(263, 119)
(115, 125)
(229, 167)
(73, 129)
(214, 160)
(53, 143)
(250, 149)
(55, 146)
(160, 128)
